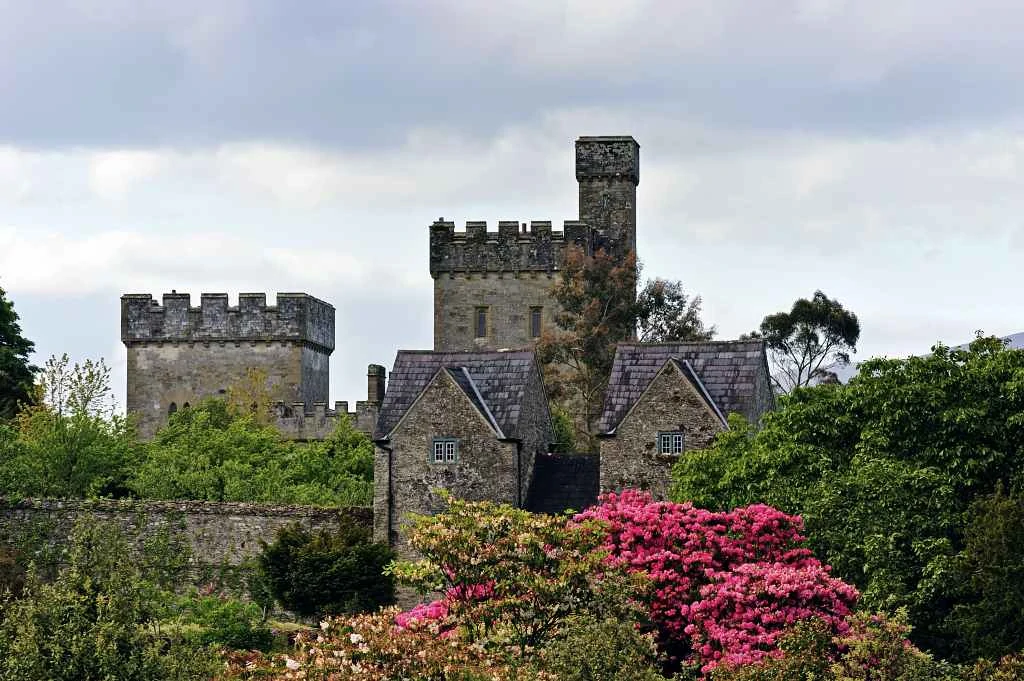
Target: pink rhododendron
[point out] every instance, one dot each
(727, 584)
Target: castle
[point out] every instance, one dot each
(470, 416)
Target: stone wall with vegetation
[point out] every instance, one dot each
(219, 533)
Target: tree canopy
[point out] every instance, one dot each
(16, 372)
(807, 342)
(883, 471)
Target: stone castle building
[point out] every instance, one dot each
(492, 289)
(470, 416)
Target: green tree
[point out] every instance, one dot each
(666, 314)
(327, 572)
(810, 340)
(883, 471)
(216, 453)
(70, 443)
(16, 373)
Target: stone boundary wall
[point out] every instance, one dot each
(220, 533)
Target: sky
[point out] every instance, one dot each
(873, 150)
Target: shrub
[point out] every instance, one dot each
(324, 572)
(601, 650)
(100, 619)
(228, 622)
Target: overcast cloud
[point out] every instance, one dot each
(874, 150)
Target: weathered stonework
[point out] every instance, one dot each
(405, 477)
(220, 533)
(179, 354)
(510, 271)
(630, 457)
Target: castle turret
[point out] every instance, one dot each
(608, 172)
(492, 289)
(179, 354)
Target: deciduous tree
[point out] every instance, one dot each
(16, 372)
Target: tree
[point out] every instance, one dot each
(883, 471)
(16, 373)
(70, 442)
(599, 308)
(597, 300)
(327, 573)
(665, 313)
(807, 342)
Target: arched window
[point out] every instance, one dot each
(171, 409)
(186, 406)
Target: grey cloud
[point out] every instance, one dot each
(363, 74)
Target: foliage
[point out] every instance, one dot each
(370, 648)
(601, 650)
(252, 396)
(596, 296)
(98, 620)
(327, 573)
(16, 373)
(562, 429)
(874, 647)
(665, 314)
(70, 443)
(227, 622)
(211, 452)
(726, 585)
(510, 578)
(807, 342)
(990, 613)
(882, 471)
(12, 572)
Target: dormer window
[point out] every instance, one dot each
(445, 450)
(670, 442)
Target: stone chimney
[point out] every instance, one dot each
(375, 375)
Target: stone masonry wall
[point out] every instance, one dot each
(535, 431)
(162, 373)
(508, 300)
(220, 533)
(630, 457)
(405, 477)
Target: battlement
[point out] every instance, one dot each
(515, 247)
(297, 317)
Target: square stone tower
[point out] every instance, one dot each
(492, 289)
(179, 354)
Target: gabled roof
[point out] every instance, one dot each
(494, 381)
(687, 370)
(730, 372)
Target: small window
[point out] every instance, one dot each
(172, 409)
(446, 450)
(480, 322)
(535, 317)
(670, 442)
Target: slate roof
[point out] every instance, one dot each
(499, 379)
(729, 371)
(562, 482)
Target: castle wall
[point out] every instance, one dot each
(219, 533)
(162, 373)
(630, 457)
(508, 298)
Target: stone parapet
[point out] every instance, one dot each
(513, 248)
(297, 317)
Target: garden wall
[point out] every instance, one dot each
(221, 534)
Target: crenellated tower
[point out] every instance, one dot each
(492, 288)
(179, 354)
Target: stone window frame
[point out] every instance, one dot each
(671, 442)
(481, 321)
(444, 450)
(536, 321)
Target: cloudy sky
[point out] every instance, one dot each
(872, 149)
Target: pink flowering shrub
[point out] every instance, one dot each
(725, 585)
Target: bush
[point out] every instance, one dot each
(601, 650)
(323, 572)
(228, 622)
(100, 619)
